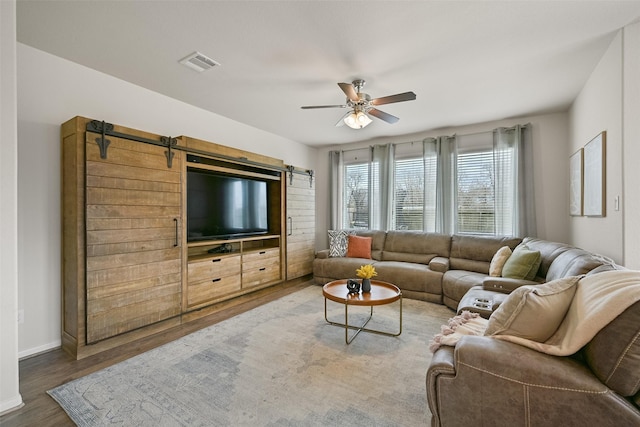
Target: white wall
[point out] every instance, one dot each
(598, 108)
(52, 90)
(631, 144)
(550, 141)
(9, 393)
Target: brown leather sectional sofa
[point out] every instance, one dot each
(442, 268)
(485, 381)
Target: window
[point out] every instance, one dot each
(356, 195)
(408, 212)
(467, 184)
(476, 194)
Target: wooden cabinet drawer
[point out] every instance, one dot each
(257, 276)
(260, 258)
(213, 268)
(202, 292)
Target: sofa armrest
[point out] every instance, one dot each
(505, 284)
(522, 365)
(439, 264)
(322, 254)
(495, 378)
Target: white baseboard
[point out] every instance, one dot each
(38, 350)
(11, 404)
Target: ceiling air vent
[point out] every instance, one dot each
(199, 62)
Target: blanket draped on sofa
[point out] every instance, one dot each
(599, 298)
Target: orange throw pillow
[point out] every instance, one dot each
(359, 247)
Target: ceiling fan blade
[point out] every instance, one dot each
(309, 107)
(382, 115)
(341, 121)
(349, 90)
(400, 97)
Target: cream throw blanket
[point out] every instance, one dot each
(599, 299)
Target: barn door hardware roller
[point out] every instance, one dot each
(106, 129)
(292, 169)
(102, 128)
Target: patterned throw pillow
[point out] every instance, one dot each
(338, 242)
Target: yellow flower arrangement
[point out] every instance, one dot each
(366, 271)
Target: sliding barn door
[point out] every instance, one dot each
(133, 220)
(301, 225)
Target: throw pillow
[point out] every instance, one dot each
(522, 264)
(498, 260)
(534, 312)
(338, 242)
(359, 247)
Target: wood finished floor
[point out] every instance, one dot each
(51, 369)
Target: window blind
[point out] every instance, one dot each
(408, 212)
(356, 195)
(476, 192)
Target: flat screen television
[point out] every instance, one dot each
(221, 206)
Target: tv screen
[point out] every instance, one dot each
(224, 206)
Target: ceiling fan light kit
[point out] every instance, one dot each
(363, 105)
(357, 120)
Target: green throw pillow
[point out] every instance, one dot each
(522, 264)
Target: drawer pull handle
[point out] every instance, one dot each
(216, 280)
(263, 252)
(263, 268)
(216, 260)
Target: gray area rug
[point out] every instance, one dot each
(279, 364)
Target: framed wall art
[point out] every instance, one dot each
(575, 183)
(595, 176)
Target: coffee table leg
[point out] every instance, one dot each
(360, 328)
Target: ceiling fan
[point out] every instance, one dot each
(362, 105)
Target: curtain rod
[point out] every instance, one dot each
(465, 134)
(454, 134)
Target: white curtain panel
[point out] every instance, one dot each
(514, 194)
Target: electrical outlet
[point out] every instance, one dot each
(20, 316)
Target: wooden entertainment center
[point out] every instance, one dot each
(130, 268)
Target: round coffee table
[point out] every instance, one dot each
(381, 293)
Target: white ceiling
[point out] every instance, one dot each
(467, 61)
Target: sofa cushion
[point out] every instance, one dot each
(549, 251)
(339, 268)
(474, 253)
(575, 262)
(359, 247)
(414, 246)
(456, 283)
(498, 261)
(614, 353)
(533, 312)
(410, 276)
(338, 242)
(522, 264)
